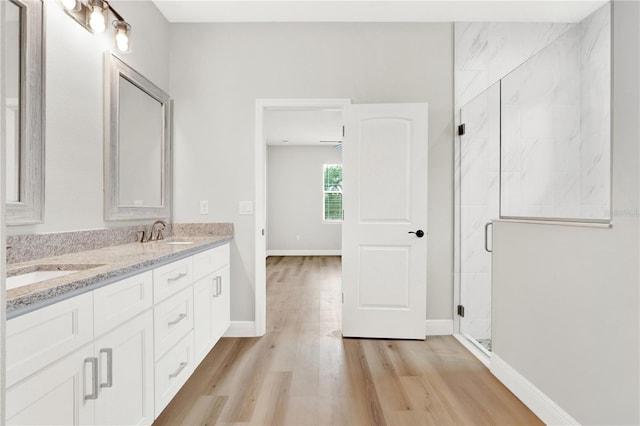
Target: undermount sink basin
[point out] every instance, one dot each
(40, 273)
(179, 243)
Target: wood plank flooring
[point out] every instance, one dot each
(303, 373)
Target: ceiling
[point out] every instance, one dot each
(303, 127)
(376, 10)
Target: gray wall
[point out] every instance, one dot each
(566, 299)
(295, 200)
(218, 71)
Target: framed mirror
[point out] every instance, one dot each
(22, 79)
(137, 145)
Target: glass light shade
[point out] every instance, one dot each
(122, 35)
(69, 4)
(96, 18)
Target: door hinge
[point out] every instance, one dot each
(343, 298)
(461, 129)
(461, 310)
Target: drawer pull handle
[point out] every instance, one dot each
(216, 292)
(109, 353)
(219, 285)
(94, 378)
(177, 320)
(178, 371)
(177, 277)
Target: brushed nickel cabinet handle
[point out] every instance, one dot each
(177, 320)
(94, 378)
(109, 353)
(177, 277)
(178, 371)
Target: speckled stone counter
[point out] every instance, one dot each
(97, 268)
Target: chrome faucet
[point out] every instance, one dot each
(156, 230)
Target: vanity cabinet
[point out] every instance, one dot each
(108, 381)
(118, 354)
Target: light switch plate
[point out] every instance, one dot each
(246, 207)
(204, 207)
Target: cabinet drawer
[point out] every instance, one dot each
(116, 303)
(173, 319)
(171, 278)
(172, 371)
(39, 338)
(206, 262)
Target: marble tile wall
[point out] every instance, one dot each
(541, 133)
(487, 51)
(595, 127)
(556, 127)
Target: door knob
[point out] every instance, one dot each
(419, 233)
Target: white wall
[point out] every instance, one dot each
(295, 200)
(218, 71)
(74, 109)
(566, 299)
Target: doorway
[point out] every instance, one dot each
(263, 108)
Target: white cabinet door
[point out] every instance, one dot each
(57, 395)
(221, 309)
(204, 292)
(126, 374)
(211, 309)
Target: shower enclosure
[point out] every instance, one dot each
(534, 147)
(479, 204)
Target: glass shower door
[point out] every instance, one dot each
(479, 204)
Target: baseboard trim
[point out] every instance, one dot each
(439, 327)
(482, 356)
(241, 329)
(304, 253)
(541, 405)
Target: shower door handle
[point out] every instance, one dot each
(486, 237)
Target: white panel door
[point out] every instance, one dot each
(384, 244)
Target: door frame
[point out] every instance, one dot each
(260, 173)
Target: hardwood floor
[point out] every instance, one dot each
(303, 373)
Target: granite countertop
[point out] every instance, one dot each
(97, 268)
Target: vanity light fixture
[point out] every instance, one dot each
(93, 15)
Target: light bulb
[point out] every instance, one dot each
(69, 4)
(96, 20)
(122, 41)
(121, 38)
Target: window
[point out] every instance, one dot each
(332, 192)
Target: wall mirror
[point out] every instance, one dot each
(22, 79)
(137, 145)
(556, 128)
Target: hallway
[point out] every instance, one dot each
(303, 373)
